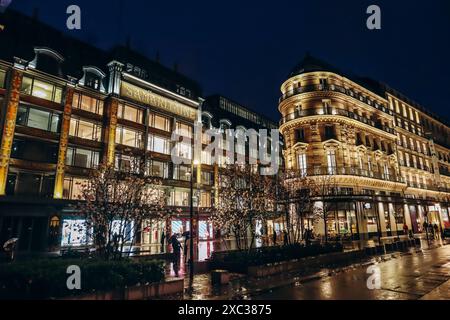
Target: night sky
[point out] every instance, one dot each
(245, 49)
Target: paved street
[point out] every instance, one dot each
(416, 274)
(419, 275)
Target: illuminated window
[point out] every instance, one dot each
(39, 119)
(407, 159)
(397, 107)
(206, 157)
(179, 197)
(183, 150)
(75, 233)
(73, 188)
(129, 137)
(386, 170)
(207, 177)
(127, 163)
(82, 158)
(130, 113)
(87, 103)
(331, 161)
(181, 172)
(205, 199)
(184, 130)
(158, 144)
(85, 129)
(41, 89)
(158, 169)
(159, 122)
(2, 78)
(302, 164)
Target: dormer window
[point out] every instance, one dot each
(224, 125)
(93, 78)
(206, 120)
(47, 60)
(93, 82)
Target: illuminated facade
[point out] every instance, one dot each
(388, 157)
(67, 106)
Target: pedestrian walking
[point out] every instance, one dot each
(176, 247)
(405, 229)
(274, 238)
(307, 237)
(431, 230)
(436, 230)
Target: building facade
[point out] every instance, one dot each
(67, 106)
(387, 156)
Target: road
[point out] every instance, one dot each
(419, 275)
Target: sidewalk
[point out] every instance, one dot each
(243, 287)
(440, 293)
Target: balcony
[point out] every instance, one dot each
(336, 112)
(334, 88)
(351, 171)
(427, 187)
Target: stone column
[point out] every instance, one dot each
(63, 142)
(12, 105)
(110, 130)
(381, 218)
(407, 216)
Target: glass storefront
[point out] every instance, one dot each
(341, 220)
(205, 230)
(75, 233)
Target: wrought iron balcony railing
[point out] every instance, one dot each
(427, 187)
(337, 112)
(351, 171)
(335, 88)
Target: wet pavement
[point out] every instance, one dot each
(422, 274)
(416, 274)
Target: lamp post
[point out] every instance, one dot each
(191, 223)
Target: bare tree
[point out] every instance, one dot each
(294, 197)
(115, 204)
(245, 197)
(324, 189)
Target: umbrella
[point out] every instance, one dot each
(186, 234)
(10, 243)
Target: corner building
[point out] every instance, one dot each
(388, 156)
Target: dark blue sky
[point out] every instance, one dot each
(245, 49)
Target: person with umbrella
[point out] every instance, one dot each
(10, 246)
(176, 247)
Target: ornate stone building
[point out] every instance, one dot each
(387, 156)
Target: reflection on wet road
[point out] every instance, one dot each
(413, 276)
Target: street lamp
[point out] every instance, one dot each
(191, 223)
